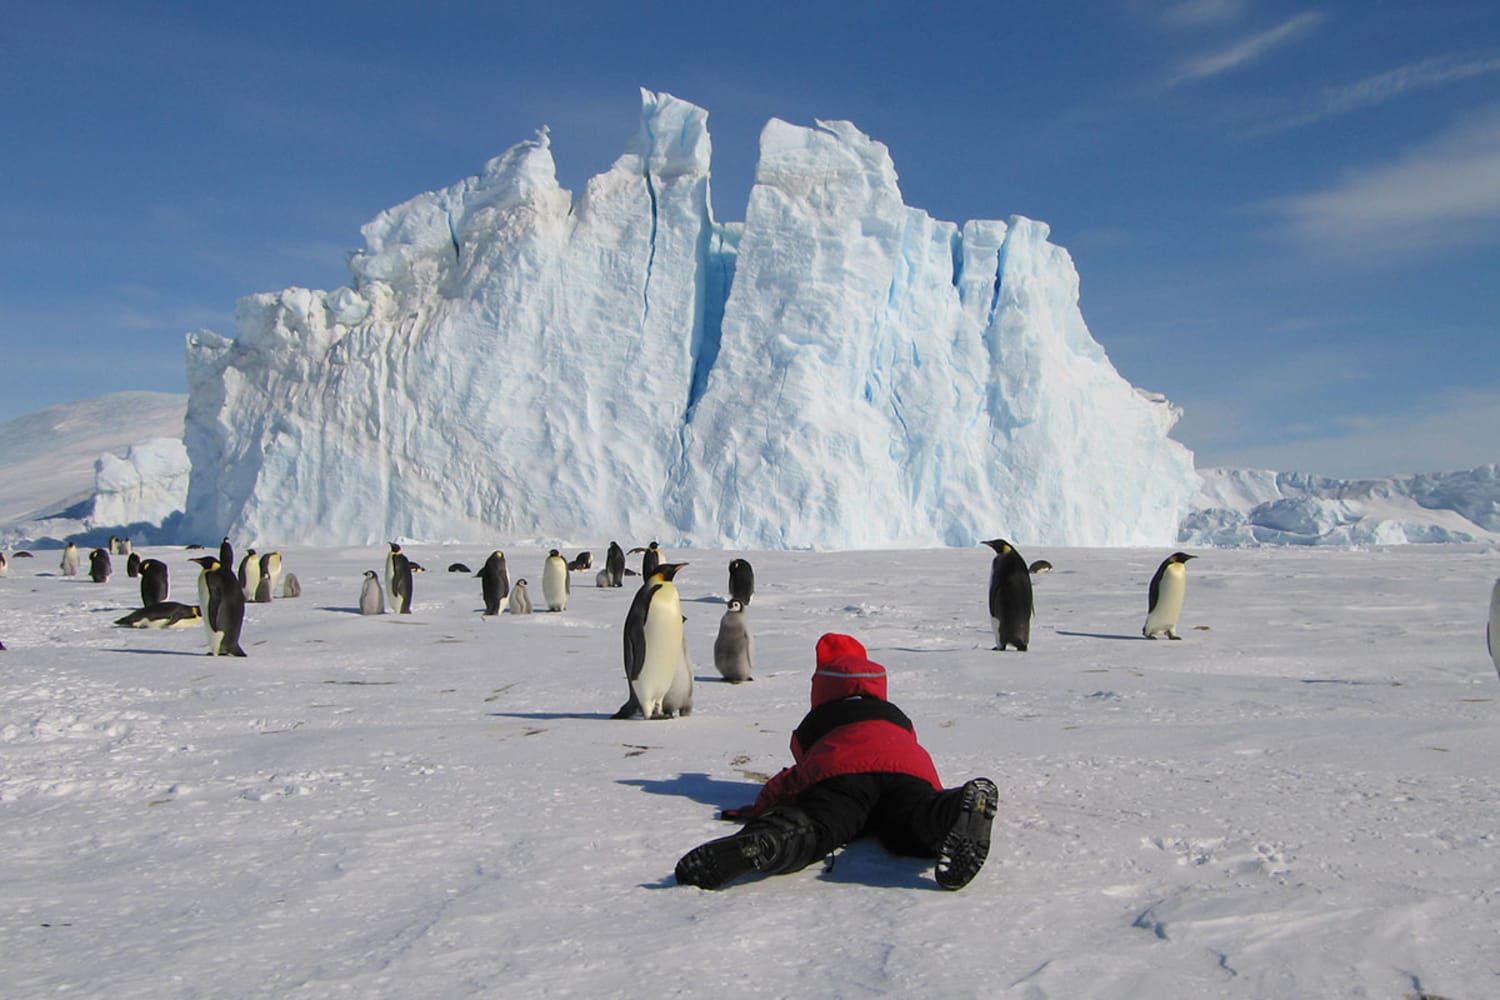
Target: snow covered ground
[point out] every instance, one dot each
(1298, 800)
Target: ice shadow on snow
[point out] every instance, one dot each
(1097, 635)
(699, 787)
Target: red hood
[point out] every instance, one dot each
(843, 670)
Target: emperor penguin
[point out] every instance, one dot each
(654, 643)
(650, 560)
(270, 572)
(494, 582)
(583, 562)
(555, 583)
(1011, 606)
(70, 560)
(741, 581)
(1168, 588)
(249, 574)
(735, 646)
(291, 586)
(221, 601)
(163, 614)
(371, 595)
(679, 698)
(4, 565)
(153, 582)
(133, 566)
(1040, 566)
(398, 579)
(520, 601)
(1492, 631)
(125, 546)
(614, 565)
(99, 566)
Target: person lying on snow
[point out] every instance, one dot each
(859, 769)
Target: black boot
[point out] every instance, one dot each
(777, 841)
(967, 842)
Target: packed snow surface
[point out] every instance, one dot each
(1297, 800)
(838, 370)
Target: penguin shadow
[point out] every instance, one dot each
(342, 611)
(707, 599)
(163, 652)
(1098, 635)
(699, 787)
(552, 715)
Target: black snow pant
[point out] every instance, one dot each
(908, 815)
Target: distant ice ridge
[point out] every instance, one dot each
(840, 370)
(1244, 507)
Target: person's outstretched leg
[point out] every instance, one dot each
(967, 842)
(781, 839)
(952, 825)
(786, 838)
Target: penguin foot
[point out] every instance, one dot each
(967, 842)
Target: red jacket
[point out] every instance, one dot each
(851, 729)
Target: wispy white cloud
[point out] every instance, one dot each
(1454, 431)
(1196, 13)
(1444, 193)
(1390, 85)
(1249, 50)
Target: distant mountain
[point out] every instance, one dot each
(110, 464)
(1246, 507)
(48, 457)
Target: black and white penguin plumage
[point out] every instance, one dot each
(221, 601)
(1011, 605)
(556, 585)
(1040, 566)
(1492, 630)
(734, 648)
(133, 566)
(583, 561)
(741, 581)
(1168, 588)
(649, 560)
(162, 614)
(270, 572)
(69, 565)
(614, 565)
(398, 579)
(249, 574)
(153, 582)
(371, 595)
(520, 600)
(654, 644)
(494, 582)
(99, 566)
(4, 565)
(678, 701)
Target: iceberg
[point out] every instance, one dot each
(839, 370)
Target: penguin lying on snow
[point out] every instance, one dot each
(162, 614)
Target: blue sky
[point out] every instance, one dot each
(1286, 217)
